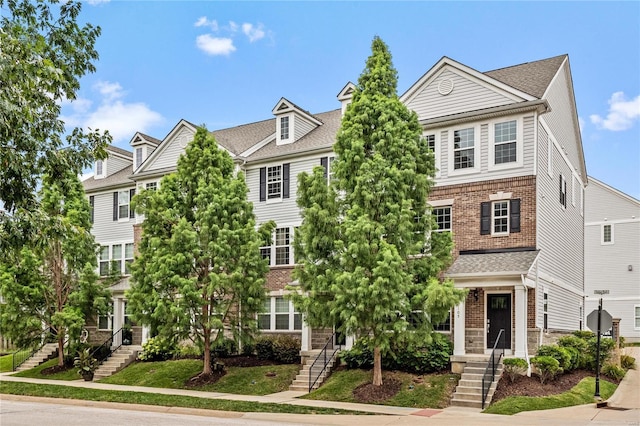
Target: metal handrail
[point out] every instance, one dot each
(100, 351)
(491, 366)
(325, 362)
(22, 358)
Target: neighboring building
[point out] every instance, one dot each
(509, 187)
(612, 255)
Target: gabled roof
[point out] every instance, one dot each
(322, 137)
(346, 92)
(117, 179)
(121, 152)
(285, 105)
(240, 138)
(139, 137)
(531, 77)
(510, 263)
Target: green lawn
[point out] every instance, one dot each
(6, 361)
(582, 393)
(238, 380)
(35, 373)
(68, 392)
(434, 391)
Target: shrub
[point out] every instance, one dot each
(606, 348)
(514, 367)
(627, 362)
(547, 367)
(223, 347)
(264, 347)
(248, 349)
(584, 334)
(580, 345)
(286, 350)
(560, 354)
(613, 372)
(157, 349)
(576, 360)
(188, 351)
(357, 357)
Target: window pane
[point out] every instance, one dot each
(500, 217)
(117, 252)
(282, 321)
(443, 218)
(103, 322)
(431, 142)
(282, 255)
(284, 128)
(505, 153)
(282, 236)
(104, 253)
(264, 322)
(463, 138)
(265, 253)
(463, 159)
(266, 305)
(282, 305)
(297, 321)
(607, 233)
(274, 181)
(152, 186)
(128, 250)
(505, 132)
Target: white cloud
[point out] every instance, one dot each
(215, 45)
(254, 33)
(203, 21)
(622, 113)
(120, 118)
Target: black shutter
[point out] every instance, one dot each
(91, 206)
(324, 162)
(485, 218)
(263, 183)
(115, 205)
(132, 192)
(285, 180)
(514, 213)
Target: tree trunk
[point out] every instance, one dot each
(377, 367)
(60, 348)
(207, 352)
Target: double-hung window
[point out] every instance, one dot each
(105, 322)
(274, 182)
(505, 142)
(442, 216)
(279, 315)
(284, 128)
(283, 242)
(327, 164)
(138, 156)
(151, 186)
(128, 258)
(116, 259)
(100, 169)
(464, 148)
(500, 217)
(104, 261)
(121, 204)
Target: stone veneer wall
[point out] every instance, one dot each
(466, 212)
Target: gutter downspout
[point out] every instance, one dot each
(526, 328)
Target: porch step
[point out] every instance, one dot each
(118, 360)
(46, 352)
(301, 382)
(468, 393)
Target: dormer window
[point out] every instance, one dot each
(100, 169)
(284, 128)
(138, 156)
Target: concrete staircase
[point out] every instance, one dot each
(301, 382)
(46, 352)
(118, 360)
(469, 390)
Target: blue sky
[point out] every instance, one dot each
(227, 63)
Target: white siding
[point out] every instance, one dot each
(468, 95)
(115, 164)
(105, 229)
(170, 153)
(302, 127)
(559, 230)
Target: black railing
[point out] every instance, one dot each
(21, 355)
(322, 360)
(490, 371)
(112, 344)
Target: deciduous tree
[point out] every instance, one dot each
(199, 267)
(368, 261)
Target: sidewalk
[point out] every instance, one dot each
(625, 403)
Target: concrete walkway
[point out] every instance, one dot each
(625, 405)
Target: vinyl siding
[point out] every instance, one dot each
(115, 164)
(172, 151)
(601, 204)
(302, 127)
(105, 229)
(560, 231)
(467, 95)
(623, 309)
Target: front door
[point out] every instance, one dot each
(498, 317)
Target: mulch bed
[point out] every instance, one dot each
(233, 361)
(55, 369)
(531, 386)
(370, 394)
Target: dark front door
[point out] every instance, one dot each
(498, 317)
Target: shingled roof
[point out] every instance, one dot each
(531, 77)
(492, 264)
(240, 138)
(120, 151)
(119, 178)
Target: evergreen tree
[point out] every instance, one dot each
(368, 262)
(199, 267)
(51, 284)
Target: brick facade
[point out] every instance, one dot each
(465, 212)
(278, 278)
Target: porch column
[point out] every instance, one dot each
(521, 322)
(305, 343)
(145, 334)
(459, 329)
(118, 319)
(349, 341)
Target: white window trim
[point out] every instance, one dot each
(437, 151)
(450, 207)
(104, 169)
(123, 245)
(137, 163)
(602, 241)
(476, 151)
(493, 223)
(157, 184)
(272, 316)
(330, 173)
(635, 327)
(274, 199)
(128, 216)
(519, 144)
(290, 139)
(273, 247)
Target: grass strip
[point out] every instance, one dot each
(580, 394)
(36, 372)
(69, 392)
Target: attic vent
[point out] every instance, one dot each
(283, 106)
(445, 87)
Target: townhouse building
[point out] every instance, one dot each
(612, 256)
(509, 187)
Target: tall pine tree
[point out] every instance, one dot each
(199, 267)
(368, 262)
(51, 284)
